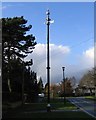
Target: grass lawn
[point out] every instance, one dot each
(38, 110)
(91, 97)
(55, 105)
(65, 114)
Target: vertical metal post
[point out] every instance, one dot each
(64, 83)
(48, 63)
(9, 85)
(23, 83)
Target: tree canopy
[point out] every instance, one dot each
(14, 38)
(16, 45)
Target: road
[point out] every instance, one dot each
(86, 105)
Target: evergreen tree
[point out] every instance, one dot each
(15, 46)
(40, 85)
(15, 42)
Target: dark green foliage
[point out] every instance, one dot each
(16, 45)
(14, 37)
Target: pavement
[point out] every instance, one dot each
(86, 105)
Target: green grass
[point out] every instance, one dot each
(34, 110)
(62, 106)
(66, 114)
(56, 104)
(60, 115)
(91, 97)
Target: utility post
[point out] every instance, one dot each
(95, 79)
(9, 66)
(48, 63)
(23, 69)
(63, 68)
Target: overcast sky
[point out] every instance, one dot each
(71, 36)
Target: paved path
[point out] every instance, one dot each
(88, 106)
